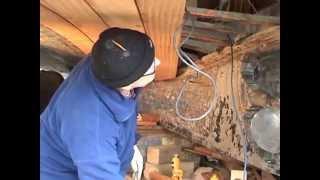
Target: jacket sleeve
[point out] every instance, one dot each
(93, 153)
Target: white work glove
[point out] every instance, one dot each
(137, 164)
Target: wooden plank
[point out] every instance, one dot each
(266, 40)
(157, 176)
(166, 169)
(161, 19)
(65, 29)
(217, 38)
(79, 13)
(162, 154)
(226, 28)
(200, 46)
(236, 175)
(117, 13)
(234, 16)
(146, 119)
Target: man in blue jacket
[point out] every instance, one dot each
(88, 130)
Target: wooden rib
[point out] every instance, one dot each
(66, 29)
(123, 13)
(161, 19)
(78, 13)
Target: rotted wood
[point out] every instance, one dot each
(219, 130)
(234, 16)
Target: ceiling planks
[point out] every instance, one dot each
(117, 13)
(161, 19)
(65, 28)
(79, 13)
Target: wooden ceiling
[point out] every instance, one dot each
(81, 21)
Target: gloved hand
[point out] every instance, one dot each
(137, 164)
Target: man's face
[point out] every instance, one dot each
(146, 79)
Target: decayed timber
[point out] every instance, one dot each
(218, 130)
(234, 16)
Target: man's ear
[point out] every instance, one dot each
(157, 61)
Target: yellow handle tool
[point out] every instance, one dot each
(177, 172)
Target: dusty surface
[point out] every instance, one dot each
(219, 129)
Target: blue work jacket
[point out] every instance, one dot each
(87, 131)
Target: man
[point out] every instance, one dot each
(88, 130)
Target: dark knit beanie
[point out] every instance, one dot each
(121, 56)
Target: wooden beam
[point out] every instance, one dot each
(219, 27)
(161, 19)
(234, 16)
(200, 46)
(66, 29)
(215, 37)
(265, 40)
(117, 13)
(55, 43)
(78, 13)
(219, 129)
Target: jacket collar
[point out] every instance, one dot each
(121, 107)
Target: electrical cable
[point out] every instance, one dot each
(237, 116)
(189, 62)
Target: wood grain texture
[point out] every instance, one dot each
(79, 13)
(161, 19)
(65, 29)
(234, 16)
(115, 13)
(218, 130)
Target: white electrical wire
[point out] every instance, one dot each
(185, 58)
